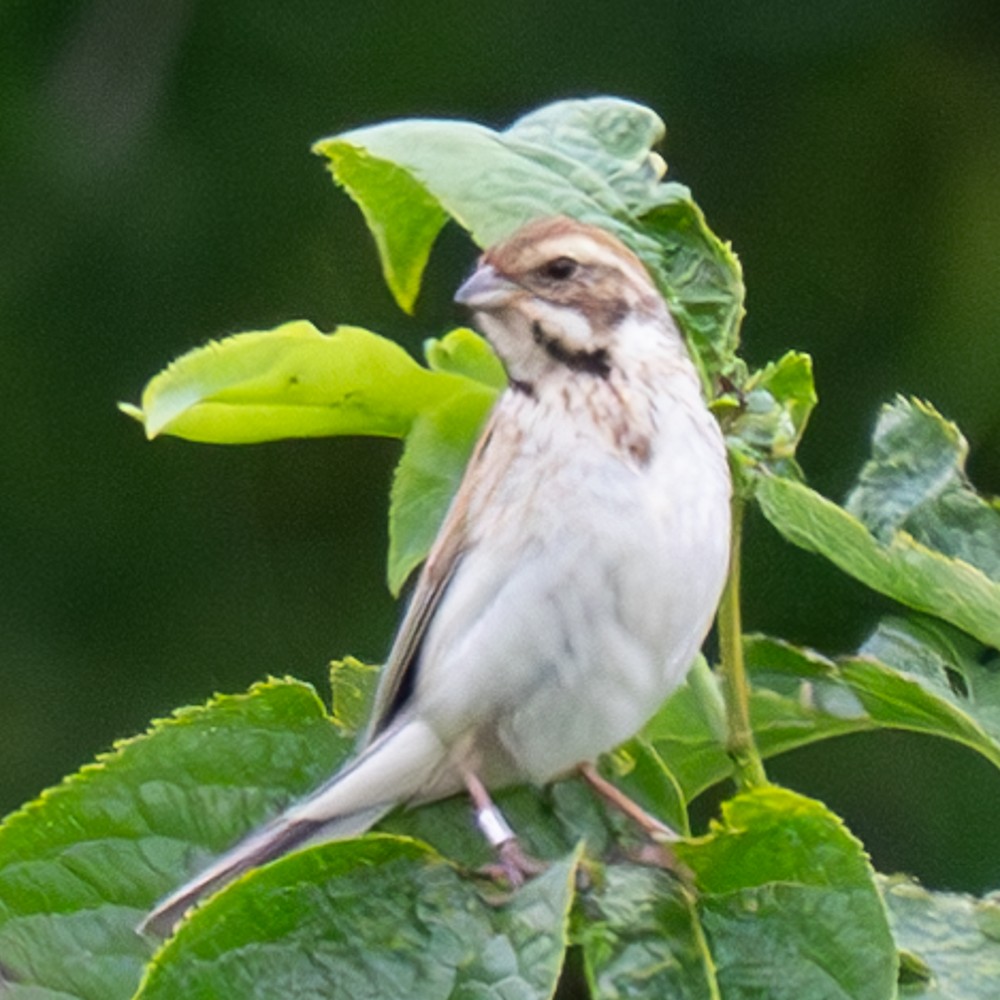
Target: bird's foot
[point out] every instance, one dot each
(513, 865)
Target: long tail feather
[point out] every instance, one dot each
(274, 840)
(387, 773)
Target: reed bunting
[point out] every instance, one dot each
(575, 575)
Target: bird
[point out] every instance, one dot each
(576, 572)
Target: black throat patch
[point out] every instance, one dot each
(594, 362)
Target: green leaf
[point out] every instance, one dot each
(786, 906)
(448, 826)
(400, 212)
(914, 674)
(297, 382)
(908, 687)
(788, 903)
(951, 942)
(931, 681)
(550, 821)
(902, 569)
(796, 699)
(379, 916)
(428, 475)
(687, 740)
(80, 866)
(700, 278)
(640, 772)
(776, 404)
(957, 669)
(113, 839)
(294, 381)
(588, 159)
(464, 352)
(352, 687)
(915, 481)
(641, 937)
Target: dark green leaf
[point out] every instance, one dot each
(786, 906)
(642, 938)
(952, 942)
(549, 821)
(699, 276)
(376, 917)
(903, 568)
(449, 826)
(955, 667)
(80, 866)
(912, 690)
(914, 674)
(641, 773)
(915, 481)
(800, 706)
(692, 748)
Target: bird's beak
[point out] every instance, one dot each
(486, 289)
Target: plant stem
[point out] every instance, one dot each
(740, 743)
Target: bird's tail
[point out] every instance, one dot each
(388, 772)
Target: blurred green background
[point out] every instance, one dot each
(156, 189)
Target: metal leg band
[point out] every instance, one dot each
(494, 827)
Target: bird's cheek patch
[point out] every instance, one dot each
(575, 331)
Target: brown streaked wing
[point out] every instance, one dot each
(435, 575)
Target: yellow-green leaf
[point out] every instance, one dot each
(293, 381)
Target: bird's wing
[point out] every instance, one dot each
(399, 672)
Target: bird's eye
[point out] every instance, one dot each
(560, 268)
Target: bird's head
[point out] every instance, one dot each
(557, 294)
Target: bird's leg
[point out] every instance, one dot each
(512, 861)
(659, 853)
(654, 828)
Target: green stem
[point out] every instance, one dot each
(740, 743)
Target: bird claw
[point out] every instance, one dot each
(513, 865)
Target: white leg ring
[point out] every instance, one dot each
(493, 826)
